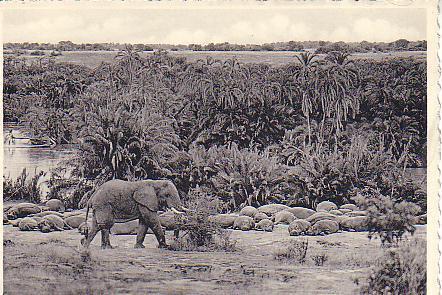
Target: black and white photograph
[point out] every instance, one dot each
(220, 148)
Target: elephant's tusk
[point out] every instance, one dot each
(176, 211)
(184, 209)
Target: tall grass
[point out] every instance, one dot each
(25, 187)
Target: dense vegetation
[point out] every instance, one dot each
(322, 46)
(297, 134)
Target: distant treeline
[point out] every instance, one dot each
(318, 46)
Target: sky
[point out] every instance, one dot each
(202, 26)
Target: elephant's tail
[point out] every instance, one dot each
(85, 221)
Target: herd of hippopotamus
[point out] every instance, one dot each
(327, 219)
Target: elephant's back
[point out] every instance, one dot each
(117, 186)
(113, 189)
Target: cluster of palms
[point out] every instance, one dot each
(251, 133)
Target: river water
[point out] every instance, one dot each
(34, 160)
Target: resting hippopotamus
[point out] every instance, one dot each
(265, 225)
(284, 217)
(22, 210)
(244, 223)
(28, 224)
(51, 223)
(248, 211)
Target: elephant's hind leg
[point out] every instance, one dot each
(152, 221)
(105, 240)
(142, 230)
(91, 233)
(105, 220)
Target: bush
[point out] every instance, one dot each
(336, 169)
(199, 233)
(37, 53)
(320, 259)
(23, 188)
(56, 53)
(400, 271)
(68, 189)
(296, 251)
(239, 176)
(388, 219)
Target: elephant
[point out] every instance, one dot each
(122, 201)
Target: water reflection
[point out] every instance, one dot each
(34, 160)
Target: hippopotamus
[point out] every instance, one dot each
(326, 206)
(22, 210)
(299, 227)
(244, 223)
(248, 211)
(264, 225)
(323, 227)
(284, 217)
(51, 223)
(55, 205)
(27, 224)
(223, 220)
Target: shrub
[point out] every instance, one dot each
(70, 190)
(336, 169)
(24, 187)
(388, 218)
(122, 137)
(239, 176)
(399, 271)
(199, 233)
(37, 52)
(296, 251)
(56, 53)
(320, 259)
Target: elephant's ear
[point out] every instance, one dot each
(147, 197)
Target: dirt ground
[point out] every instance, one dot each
(37, 263)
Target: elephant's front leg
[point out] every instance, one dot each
(152, 221)
(142, 231)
